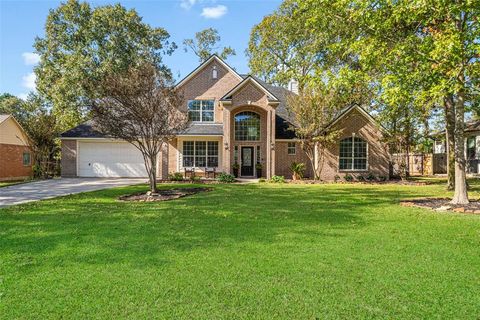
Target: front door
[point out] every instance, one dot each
(247, 162)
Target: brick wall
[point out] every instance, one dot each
(378, 155)
(283, 160)
(203, 87)
(11, 162)
(69, 158)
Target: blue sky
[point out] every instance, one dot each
(22, 21)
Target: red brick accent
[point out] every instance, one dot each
(11, 162)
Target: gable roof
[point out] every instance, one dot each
(342, 113)
(203, 65)
(4, 117)
(246, 80)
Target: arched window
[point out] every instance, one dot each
(247, 126)
(353, 154)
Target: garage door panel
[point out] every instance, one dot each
(101, 159)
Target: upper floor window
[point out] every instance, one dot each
(201, 110)
(353, 154)
(247, 126)
(291, 148)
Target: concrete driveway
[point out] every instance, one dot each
(45, 189)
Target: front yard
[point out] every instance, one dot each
(240, 252)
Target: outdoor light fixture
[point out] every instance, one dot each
(226, 145)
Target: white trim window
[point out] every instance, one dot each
(201, 110)
(353, 154)
(291, 148)
(200, 154)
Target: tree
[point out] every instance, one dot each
(82, 44)
(312, 111)
(10, 104)
(205, 44)
(141, 107)
(434, 43)
(280, 49)
(43, 130)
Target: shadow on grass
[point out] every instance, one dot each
(95, 228)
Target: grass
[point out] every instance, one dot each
(9, 183)
(257, 251)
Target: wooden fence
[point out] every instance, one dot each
(416, 164)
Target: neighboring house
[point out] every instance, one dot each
(15, 155)
(234, 119)
(472, 147)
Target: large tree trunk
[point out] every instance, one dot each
(153, 173)
(460, 196)
(450, 140)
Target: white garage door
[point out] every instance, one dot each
(109, 159)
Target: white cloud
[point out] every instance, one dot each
(187, 4)
(30, 58)
(214, 12)
(28, 81)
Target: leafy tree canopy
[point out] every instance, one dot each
(82, 44)
(206, 43)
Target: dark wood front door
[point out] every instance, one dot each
(247, 162)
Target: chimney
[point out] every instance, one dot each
(293, 86)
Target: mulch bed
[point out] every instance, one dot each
(443, 204)
(163, 195)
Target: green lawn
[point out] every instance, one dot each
(241, 252)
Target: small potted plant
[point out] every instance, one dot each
(235, 168)
(259, 168)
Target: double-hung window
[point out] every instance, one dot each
(291, 148)
(353, 154)
(201, 110)
(200, 154)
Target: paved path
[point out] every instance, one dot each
(45, 189)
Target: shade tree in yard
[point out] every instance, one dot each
(82, 44)
(140, 106)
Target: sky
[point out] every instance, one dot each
(22, 21)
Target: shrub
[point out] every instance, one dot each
(361, 178)
(262, 180)
(371, 177)
(298, 169)
(195, 178)
(226, 178)
(337, 178)
(348, 177)
(175, 176)
(382, 178)
(277, 179)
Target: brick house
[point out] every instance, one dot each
(15, 154)
(234, 119)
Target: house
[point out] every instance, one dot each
(234, 119)
(15, 154)
(472, 148)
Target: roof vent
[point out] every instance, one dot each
(293, 86)
(214, 72)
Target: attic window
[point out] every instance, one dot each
(214, 72)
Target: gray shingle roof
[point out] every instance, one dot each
(213, 129)
(84, 130)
